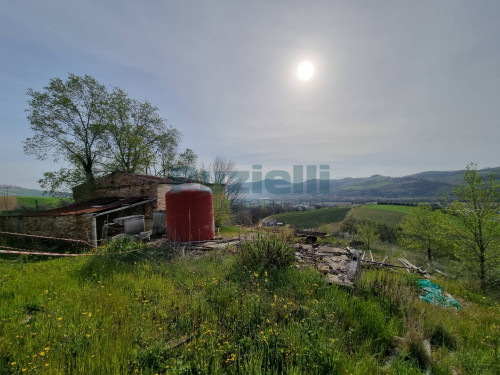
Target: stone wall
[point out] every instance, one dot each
(160, 193)
(67, 226)
(116, 185)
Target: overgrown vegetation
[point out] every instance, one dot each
(141, 313)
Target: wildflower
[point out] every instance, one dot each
(46, 365)
(256, 274)
(42, 353)
(59, 319)
(13, 363)
(90, 314)
(47, 348)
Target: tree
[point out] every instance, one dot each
(367, 232)
(95, 131)
(424, 228)
(222, 210)
(477, 231)
(68, 122)
(134, 131)
(222, 172)
(186, 164)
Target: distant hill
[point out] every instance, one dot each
(421, 186)
(19, 191)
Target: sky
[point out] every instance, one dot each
(399, 87)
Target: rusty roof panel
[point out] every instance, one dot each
(91, 206)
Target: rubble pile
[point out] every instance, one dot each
(341, 266)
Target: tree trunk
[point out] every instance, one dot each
(429, 253)
(482, 270)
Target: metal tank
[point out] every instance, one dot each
(189, 213)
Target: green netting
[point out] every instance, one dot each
(432, 293)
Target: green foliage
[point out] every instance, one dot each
(96, 131)
(269, 252)
(477, 229)
(222, 208)
(122, 244)
(313, 218)
(367, 232)
(213, 315)
(425, 229)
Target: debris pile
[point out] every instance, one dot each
(342, 266)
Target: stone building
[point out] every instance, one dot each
(96, 203)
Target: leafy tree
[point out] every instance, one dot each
(186, 164)
(478, 223)
(95, 131)
(134, 132)
(367, 232)
(68, 123)
(424, 228)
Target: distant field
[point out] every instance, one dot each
(313, 218)
(385, 214)
(390, 207)
(31, 201)
(44, 203)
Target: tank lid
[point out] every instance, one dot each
(189, 187)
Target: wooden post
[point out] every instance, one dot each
(93, 225)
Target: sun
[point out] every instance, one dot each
(305, 70)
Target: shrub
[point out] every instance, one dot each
(269, 251)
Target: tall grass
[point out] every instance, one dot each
(139, 313)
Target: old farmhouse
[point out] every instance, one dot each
(96, 203)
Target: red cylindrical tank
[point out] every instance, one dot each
(189, 213)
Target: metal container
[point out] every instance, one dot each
(131, 224)
(159, 222)
(189, 213)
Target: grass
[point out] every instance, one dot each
(138, 313)
(390, 207)
(313, 218)
(388, 215)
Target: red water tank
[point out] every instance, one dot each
(189, 213)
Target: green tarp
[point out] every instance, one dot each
(432, 293)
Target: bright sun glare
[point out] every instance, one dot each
(305, 70)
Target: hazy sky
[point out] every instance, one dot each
(399, 87)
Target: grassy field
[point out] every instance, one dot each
(313, 218)
(126, 314)
(386, 214)
(42, 201)
(28, 204)
(390, 207)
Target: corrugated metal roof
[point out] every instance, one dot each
(91, 206)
